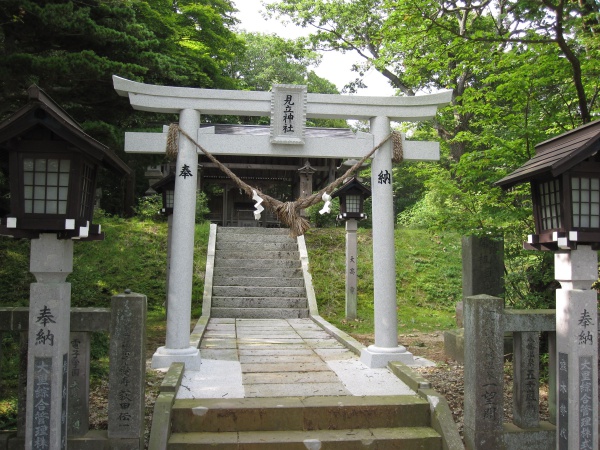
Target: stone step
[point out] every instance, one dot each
(253, 230)
(259, 313)
(251, 263)
(259, 302)
(417, 438)
(244, 237)
(257, 272)
(250, 291)
(257, 254)
(255, 246)
(299, 413)
(258, 281)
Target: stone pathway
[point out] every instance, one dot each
(244, 358)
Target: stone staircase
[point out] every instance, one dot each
(257, 275)
(314, 423)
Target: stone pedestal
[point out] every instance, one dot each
(179, 297)
(386, 346)
(351, 266)
(482, 266)
(577, 349)
(48, 354)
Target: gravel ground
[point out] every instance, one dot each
(447, 376)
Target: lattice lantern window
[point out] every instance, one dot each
(52, 192)
(585, 202)
(352, 196)
(549, 193)
(166, 187)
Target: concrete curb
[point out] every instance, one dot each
(343, 338)
(161, 417)
(313, 309)
(210, 269)
(441, 416)
(442, 420)
(198, 331)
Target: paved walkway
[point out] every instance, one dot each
(281, 358)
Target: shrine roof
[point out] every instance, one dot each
(557, 155)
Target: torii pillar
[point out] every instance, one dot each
(190, 103)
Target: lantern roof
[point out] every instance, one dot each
(164, 183)
(42, 110)
(557, 155)
(352, 185)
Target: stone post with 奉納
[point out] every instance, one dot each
(48, 355)
(577, 349)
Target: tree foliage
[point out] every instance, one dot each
(268, 59)
(71, 49)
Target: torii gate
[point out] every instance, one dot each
(189, 103)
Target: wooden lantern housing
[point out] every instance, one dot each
(166, 187)
(565, 185)
(352, 196)
(53, 166)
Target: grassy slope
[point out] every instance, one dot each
(133, 256)
(428, 274)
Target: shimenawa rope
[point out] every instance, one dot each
(286, 212)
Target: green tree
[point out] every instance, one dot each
(71, 49)
(269, 59)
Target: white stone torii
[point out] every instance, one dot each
(189, 103)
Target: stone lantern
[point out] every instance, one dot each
(53, 166)
(565, 184)
(352, 196)
(52, 170)
(166, 188)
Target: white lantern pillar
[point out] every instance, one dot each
(47, 356)
(351, 269)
